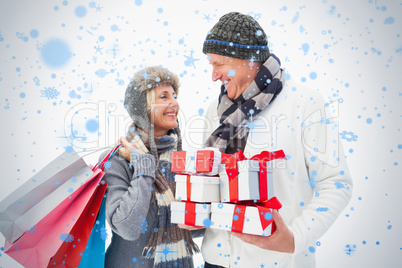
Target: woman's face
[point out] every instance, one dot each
(165, 110)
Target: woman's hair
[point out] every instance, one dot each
(150, 100)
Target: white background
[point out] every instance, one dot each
(354, 48)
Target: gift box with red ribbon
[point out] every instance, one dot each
(190, 213)
(205, 161)
(197, 188)
(245, 217)
(248, 179)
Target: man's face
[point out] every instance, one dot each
(235, 74)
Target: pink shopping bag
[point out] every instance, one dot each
(69, 256)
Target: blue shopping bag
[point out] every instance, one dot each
(94, 254)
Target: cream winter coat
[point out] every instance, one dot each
(313, 184)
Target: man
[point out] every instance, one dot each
(257, 110)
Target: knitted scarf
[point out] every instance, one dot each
(169, 245)
(235, 116)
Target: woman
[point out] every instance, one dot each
(140, 182)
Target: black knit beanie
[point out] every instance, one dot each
(238, 36)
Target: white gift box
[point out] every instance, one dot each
(203, 188)
(248, 181)
(202, 214)
(204, 161)
(222, 217)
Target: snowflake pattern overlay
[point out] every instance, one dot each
(144, 225)
(348, 136)
(103, 233)
(67, 237)
(50, 93)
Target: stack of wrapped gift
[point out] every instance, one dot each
(247, 194)
(197, 185)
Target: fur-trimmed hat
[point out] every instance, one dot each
(238, 36)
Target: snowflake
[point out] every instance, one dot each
(220, 205)
(98, 49)
(39, 47)
(50, 93)
(67, 237)
(165, 252)
(339, 185)
(101, 73)
(349, 249)
(103, 233)
(33, 229)
(238, 210)
(349, 136)
(114, 28)
(332, 11)
(107, 165)
(144, 225)
(322, 209)
(295, 18)
(92, 4)
(36, 80)
(72, 94)
(206, 17)
(190, 60)
(256, 16)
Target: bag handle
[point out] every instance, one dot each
(101, 164)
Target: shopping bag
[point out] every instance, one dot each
(32, 201)
(68, 255)
(47, 238)
(37, 246)
(85, 228)
(94, 254)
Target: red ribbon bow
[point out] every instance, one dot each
(264, 211)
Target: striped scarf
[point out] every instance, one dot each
(169, 245)
(236, 116)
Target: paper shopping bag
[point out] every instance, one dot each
(32, 201)
(94, 254)
(68, 255)
(37, 246)
(89, 251)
